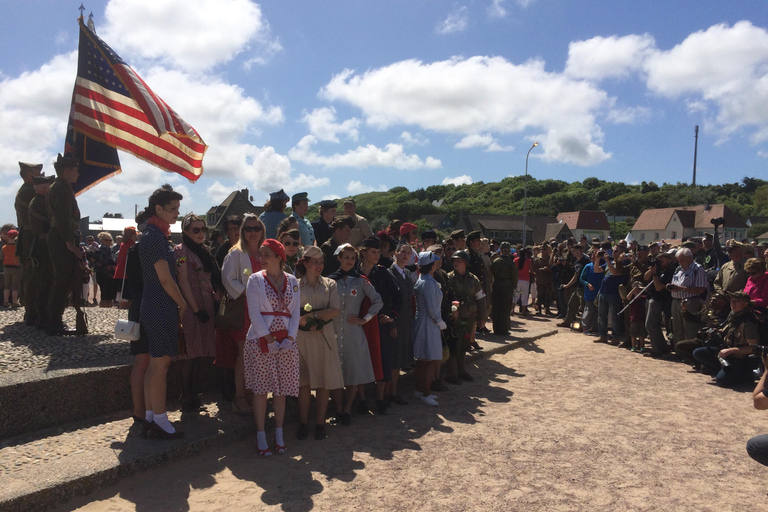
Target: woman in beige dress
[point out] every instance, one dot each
(320, 367)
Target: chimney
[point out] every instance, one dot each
(245, 192)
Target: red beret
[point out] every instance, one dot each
(407, 227)
(276, 247)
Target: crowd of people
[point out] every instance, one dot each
(286, 306)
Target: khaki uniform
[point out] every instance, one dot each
(731, 278)
(64, 216)
(469, 292)
(360, 232)
(544, 288)
(505, 277)
(40, 261)
(23, 197)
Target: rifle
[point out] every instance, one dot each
(636, 297)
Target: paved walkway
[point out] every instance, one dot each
(557, 424)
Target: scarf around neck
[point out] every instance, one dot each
(160, 224)
(340, 274)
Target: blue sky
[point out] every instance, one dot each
(342, 97)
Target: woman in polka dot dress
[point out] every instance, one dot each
(271, 352)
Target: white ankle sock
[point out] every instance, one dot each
(149, 416)
(261, 440)
(161, 420)
(279, 437)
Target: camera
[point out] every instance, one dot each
(651, 262)
(719, 221)
(760, 350)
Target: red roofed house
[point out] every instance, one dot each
(590, 223)
(686, 221)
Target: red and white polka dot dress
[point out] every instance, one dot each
(274, 372)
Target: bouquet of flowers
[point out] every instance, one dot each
(313, 323)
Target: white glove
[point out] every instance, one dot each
(442, 325)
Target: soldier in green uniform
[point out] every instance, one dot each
(40, 262)
(64, 253)
(464, 288)
(23, 243)
(505, 276)
(341, 231)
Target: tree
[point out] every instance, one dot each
(756, 230)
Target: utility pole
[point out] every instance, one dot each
(695, 150)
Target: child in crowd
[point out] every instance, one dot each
(11, 270)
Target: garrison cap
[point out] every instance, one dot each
(43, 179)
(459, 233)
(25, 167)
(301, 196)
(474, 235)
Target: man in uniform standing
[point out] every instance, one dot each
(477, 268)
(322, 226)
(40, 262)
(459, 239)
(23, 198)
(300, 206)
(542, 269)
(341, 231)
(65, 255)
(505, 276)
(362, 229)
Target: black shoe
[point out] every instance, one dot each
(467, 377)
(157, 432)
(319, 432)
(30, 320)
(302, 433)
(615, 343)
(453, 380)
(381, 408)
(625, 344)
(346, 419)
(362, 407)
(397, 399)
(437, 385)
(139, 428)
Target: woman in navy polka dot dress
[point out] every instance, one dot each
(162, 305)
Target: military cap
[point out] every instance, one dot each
(654, 244)
(280, 195)
(665, 255)
(689, 244)
(709, 236)
(435, 248)
(427, 258)
(507, 245)
(474, 235)
(25, 167)
(342, 220)
(301, 196)
(429, 234)
(328, 203)
(350, 200)
(371, 242)
(43, 179)
(734, 246)
(642, 247)
(313, 251)
(462, 255)
(739, 296)
(457, 234)
(63, 162)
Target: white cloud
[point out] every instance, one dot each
(218, 192)
(724, 67)
(357, 187)
(363, 156)
(193, 36)
(456, 21)
(458, 180)
(304, 181)
(322, 124)
(628, 115)
(608, 57)
(763, 154)
(497, 9)
(486, 141)
(413, 140)
(481, 94)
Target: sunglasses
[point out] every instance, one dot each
(291, 244)
(198, 230)
(252, 229)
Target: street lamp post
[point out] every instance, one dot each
(525, 194)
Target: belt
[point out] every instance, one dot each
(275, 313)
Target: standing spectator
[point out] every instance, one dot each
(232, 229)
(542, 269)
(241, 262)
(591, 282)
(757, 284)
(24, 243)
(134, 289)
(637, 282)
(575, 286)
(104, 270)
(320, 367)
(291, 240)
(162, 304)
(215, 241)
(427, 345)
(523, 290)
(361, 229)
(129, 239)
(403, 321)
(609, 301)
(198, 271)
(477, 268)
(505, 276)
(659, 306)
(688, 283)
(271, 354)
(341, 231)
(300, 207)
(287, 224)
(273, 212)
(11, 271)
(322, 226)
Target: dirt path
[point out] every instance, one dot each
(562, 424)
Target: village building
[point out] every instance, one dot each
(675, 224)
(237, 203)
(507, 228)
(589, 223)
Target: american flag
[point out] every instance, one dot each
(113, 108)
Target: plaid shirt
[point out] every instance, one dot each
(693, 277)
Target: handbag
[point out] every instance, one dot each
(126, 330)
(231, 314)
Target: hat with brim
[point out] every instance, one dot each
(12, 233)
(507, 245)
(328, 203)
(371, 242)
(301, 196)
(458, 234)
(349, 200)
(474, 235)
(313, 251)
(342, 220)
(739, 296)
(63, 162)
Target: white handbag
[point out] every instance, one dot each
(126, 330)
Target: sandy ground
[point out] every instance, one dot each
(560, 424)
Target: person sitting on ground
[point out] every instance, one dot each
(729, 363)
(713, 317)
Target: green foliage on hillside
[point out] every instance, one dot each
(549, 197)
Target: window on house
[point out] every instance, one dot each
(655, 236)
(642, 236)
(674, 235)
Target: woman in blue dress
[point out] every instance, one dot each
(162, 305)
(427, 340)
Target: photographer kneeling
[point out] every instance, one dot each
(731, 363)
